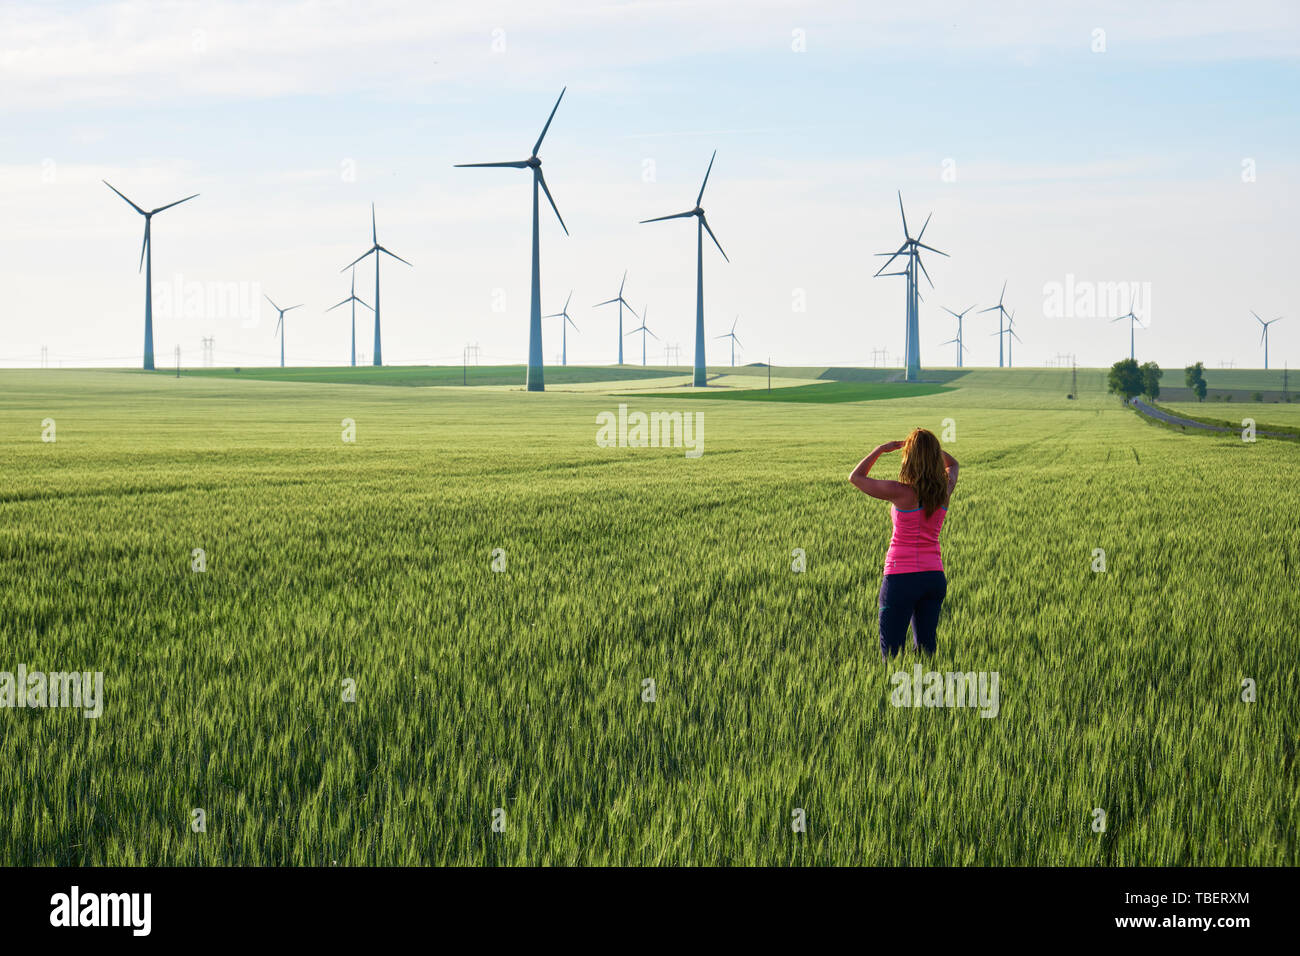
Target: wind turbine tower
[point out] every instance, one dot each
(146, 262)
(911, 248)
(1133, 322)
(563, 315)
(352, 297)
(536, 377)
(700, 379)
(1263, 336)
(1002, 313)
(961, 347)
(734, 341)
(644, 332)
(621, 303)
(279, 326)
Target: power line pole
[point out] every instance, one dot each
(1074, 379)
(178, 361)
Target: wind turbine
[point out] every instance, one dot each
(536, 380)
(279, 326)
(376, 249)
(146, 262)
(1133, 320)
(912, 249)
(1263, 336)
(621, 302)
(1001, 311)
(734, 341)
(960, 344)
(644, 332)
(564, 328)
(354, 300)
(700, 379)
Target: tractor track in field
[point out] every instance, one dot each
(1160, 415)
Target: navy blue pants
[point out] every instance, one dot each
(916, 597)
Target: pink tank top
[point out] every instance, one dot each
(915, 544)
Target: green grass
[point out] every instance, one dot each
(1282, 417)
(820, 394)
(424, 375)
(522, 690)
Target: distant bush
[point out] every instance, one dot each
(1257, 397)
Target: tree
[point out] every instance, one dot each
(1151, 374)
(1125, 379)
(1194, 376)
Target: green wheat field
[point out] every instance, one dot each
(516, 696)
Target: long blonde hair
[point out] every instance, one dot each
(924, 471)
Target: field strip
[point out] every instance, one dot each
(1161, 415)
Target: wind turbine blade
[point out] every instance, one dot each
(881, 270)
(553, 315)
(955, 315)
(394, 255)
(1120, 319)
(927, 274)
(365, 303)
(520, 164)
(1016, 337)
(574, 324)
(606, 302)
(292, 307)
(706, 177)
(277, 326)
(704, 222)
(676, 215)
(733, 324)
(538, 144)
(949, 342)
(1252, 311)
(176, 203)
(272, 301)
(359, 258)
(992, 308)
(903, 214)
(344, 302)
(925, 225)
(143, 245)
(567, 301)
(737, 341)
(1003, 292)
(933, 249)
(622, 283)
(129, 203)
(542, 180)
(651, 334)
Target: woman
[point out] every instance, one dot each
(914, 584)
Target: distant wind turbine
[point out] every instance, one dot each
(564, 328)
(279, 326)
(700, 379)
(644, 332)
(912, 249)
(1263, 336)
(354, 300)
(734, 341)
(961, 346)
(621, 302)
(536, 380)
(1133, 320)
(375, 249)
(1002, 312)
(146, 262)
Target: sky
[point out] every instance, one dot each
(1096, 157)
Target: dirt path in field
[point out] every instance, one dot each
(1164, 416)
